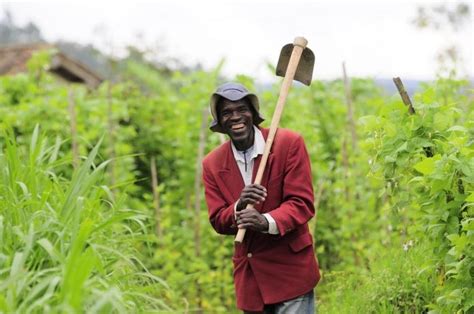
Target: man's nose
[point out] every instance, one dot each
(235, 115)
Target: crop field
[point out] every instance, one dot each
(102, 208)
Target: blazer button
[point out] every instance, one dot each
(249, 255)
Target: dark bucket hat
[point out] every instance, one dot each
(233, 92)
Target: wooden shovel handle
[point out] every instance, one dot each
(299, 45)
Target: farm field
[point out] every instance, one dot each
(102, 208)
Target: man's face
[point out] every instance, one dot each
(236, 119)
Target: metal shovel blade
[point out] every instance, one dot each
(304, 71)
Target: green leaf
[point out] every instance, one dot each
(426, 166)
(468, 224)
(457, 128)
(459, 243)
(45, 244)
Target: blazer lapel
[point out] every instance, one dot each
(266, 172)
(231, 180)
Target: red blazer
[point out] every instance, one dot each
(267, 268)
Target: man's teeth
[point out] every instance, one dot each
(237, 126)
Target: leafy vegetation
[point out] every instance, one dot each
(393, 232)
(66, 244)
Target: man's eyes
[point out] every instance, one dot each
(241, 110)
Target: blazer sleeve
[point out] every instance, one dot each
(221, 214)
(298, 198)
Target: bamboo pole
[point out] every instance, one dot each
(345, 164)
(197, 195)
(73, 127)
(350, 110)
(156, 197)
(403, 93)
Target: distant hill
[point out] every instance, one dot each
(411, 86)
(387, 84)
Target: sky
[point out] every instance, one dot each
(374, 38)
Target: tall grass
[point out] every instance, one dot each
(399, 281)
(65, 244)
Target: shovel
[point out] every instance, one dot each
(296, 62)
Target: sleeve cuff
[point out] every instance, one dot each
(272, 226)
(235, 210)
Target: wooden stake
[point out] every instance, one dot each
(156, 196)
(407, 101)
(345, 164)
(350, 111)
(197, 195)
(73, 126)
(404, 94)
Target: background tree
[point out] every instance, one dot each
(447, 18)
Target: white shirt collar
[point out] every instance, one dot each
(255, 150)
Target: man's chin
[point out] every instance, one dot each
(237, 139)
(239, 136)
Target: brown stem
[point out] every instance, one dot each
(73, 126)
(350, 111)
(345, 164)
(156, 196)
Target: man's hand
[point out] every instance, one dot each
(251, 194)
(251, 219)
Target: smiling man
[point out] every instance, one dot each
(275, 269)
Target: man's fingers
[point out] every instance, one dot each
(246, 223)
(245, 213)
(253, 199)
(252, 196)
(256, 189)
(247, 216)
(260, 187)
